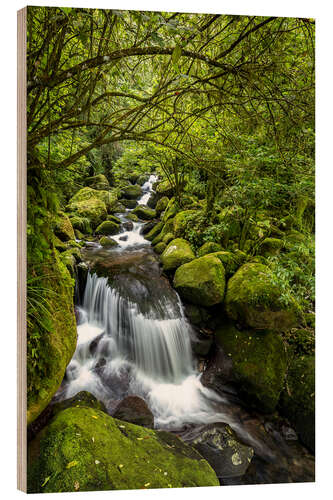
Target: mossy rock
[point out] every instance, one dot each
(298, 399)
(78, 234)
(107, 242)
(63, 227)
(70, 258)
(129, 203)
(254, 300)
(97, 182)
(302, 340)
(160, 247)
(142, 179)
(201, 281)
(271, 246)
(209, 247)
(231, 261)
(164, 188)
(83, 399)
(133, 177)
(170, 210)
(177, 253)
(118, 207)
(144, 213)
(83, 449)
(154, 231)
(168, 237)
(132, 217)
(161, 204)
(92, 209)
(166, 228)
(180, 221)
(114, 219)
(109, 198)
(81, 223)
(259, 364)
(58, 345)
(132, 192)
(107, 227)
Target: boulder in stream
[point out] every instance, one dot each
(144, 213)
(132, 192)
(107, 227)
(177, 252)
(83, 449)
(134, 410)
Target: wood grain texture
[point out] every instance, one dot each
(21, 250)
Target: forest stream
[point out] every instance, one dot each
(134, 339)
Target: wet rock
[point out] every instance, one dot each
(107, 227)
(105, 241)
(82, 273)
(201, 344)
(128, 225)
(144, 213)
(148, 226)
(218, 444)
(129, 203)
(132, 192)
(124, 238)
(135, 410)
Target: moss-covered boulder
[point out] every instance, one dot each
(98, 182)
(259, 364)
(201, 281)
(93, 209)
(53, 349)
(129, 203)
(63, 227)
(105, 241)
(166, 228)
(254, 299)
(170, 210)
(132, 192)
(162, 204)
(209, 247)
(177, 253)
(142, 179)
(298, 398)
(87, 194)
(144, 213)
(132, 217)
(181, 220)
(164, 188)
(107, 227)
(83, 449)
(168, 237)
(271, 246)
(157, 228)
(160, 247)
(70, 258)
(114, 219)
(231, 261)
(81, 223)
(134, 410)
(133, 177)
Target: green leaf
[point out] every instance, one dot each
(72, 464)
(177, 52)
(46, 480)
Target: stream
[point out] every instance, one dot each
(134, 339)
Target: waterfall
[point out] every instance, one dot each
(158, 347)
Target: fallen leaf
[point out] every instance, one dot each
(76, 485)
(147, 484)
(72, 464)
(139, 439)
(46, 480)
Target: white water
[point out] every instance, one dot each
(148, 355)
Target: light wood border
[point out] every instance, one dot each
(21, 250)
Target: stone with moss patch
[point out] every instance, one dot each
(83, 449)
(151, 235)
(298, 399)
(98, 181)
(166, 228)
(114, 219)
(132, 217)
(160, 247)
(181, 220)
(162, 204)
(209, 247)
(254, 299)
(142, 179)
(144, 213)
(271, 246)
(63, 227)
(170, 210)
(81, 223)
(164, 188)
(107, 227)
(132, 192)
(259, 364)
(107, 242)
(168, 237)
(109, 198)
(177, 253)
(201, 281)
(231, 261)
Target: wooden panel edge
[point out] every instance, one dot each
(21, 250)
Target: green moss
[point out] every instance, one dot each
(132, 217)
(162, 204)
(132, 192)
(97, 182)
(230, 260)
(271, 246)
(63, 227)
(164, 188)
(298, 399)
(259, 364)
(144, 213)
(81, 223)
(177, 252)
(114, 219)
(180, 222)
(168, 237)
(107, 242)
(92, 209)
(56, 347)
(170, 210)
(209, 247)
(154, 232)
(84, 449)
(107, 227)
(109, 198)
(201, 281)
(253, 299)
(166, 228)
(160, 247)
(142, 179)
